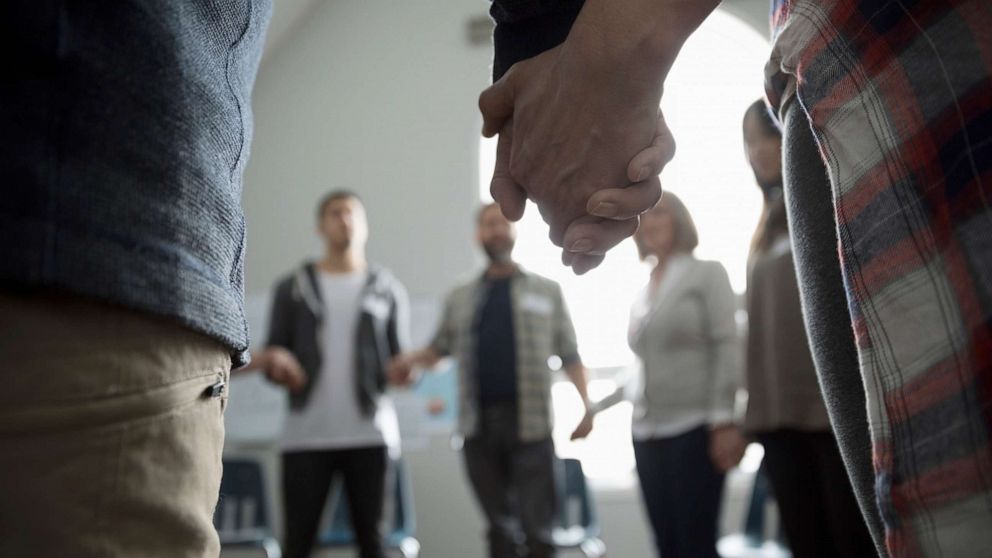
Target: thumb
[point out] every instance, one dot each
(496, 105)
(505, 191)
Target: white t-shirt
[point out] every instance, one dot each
(333, 418)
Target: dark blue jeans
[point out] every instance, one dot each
(819, 513)
(682, 491)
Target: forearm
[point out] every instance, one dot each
(608, 31)
(649, 31)
(576, 372)
(259, 361)
(427, 357)
(610, 400)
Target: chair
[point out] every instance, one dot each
(398, 511)
(576, 526)
(242, 514)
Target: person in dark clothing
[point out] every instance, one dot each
(343, 319)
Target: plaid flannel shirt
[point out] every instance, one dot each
(542, 329)
(899, 98)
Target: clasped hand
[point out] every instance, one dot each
(581, 143)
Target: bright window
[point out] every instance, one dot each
(717, 75)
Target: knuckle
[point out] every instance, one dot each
(655, 196)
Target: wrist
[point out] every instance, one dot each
(642, 36)
(419, 359)
(262, 360)
(594, 407)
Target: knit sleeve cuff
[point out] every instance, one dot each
(526, 29)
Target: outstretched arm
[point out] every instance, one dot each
(279, 366)
(577, 374)
(276, 360)
(403, 367)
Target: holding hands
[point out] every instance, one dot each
(580, 131)
(584, 427)
(401, 370)
(562, 138)
(281, 367)
(727, 446)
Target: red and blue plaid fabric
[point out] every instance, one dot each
(899, 96)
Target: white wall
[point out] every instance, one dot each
(378, 97)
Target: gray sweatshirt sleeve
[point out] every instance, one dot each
(399, 320)
(725, 350)
(280, 316)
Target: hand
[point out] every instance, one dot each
(565, 132)
(573, 119)
(400, 370)
(613, 212)
(584, 427)
(727, 446)
(282, 368)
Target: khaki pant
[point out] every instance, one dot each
(110, 437)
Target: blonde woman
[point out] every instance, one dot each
(683, 332)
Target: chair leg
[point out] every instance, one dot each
(271, 548)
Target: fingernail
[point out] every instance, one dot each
(606, 209)
(581, 245)
(643, 174)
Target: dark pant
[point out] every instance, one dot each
(514, 483)
(682, 491)
(306, 480)
(814, 238)
(819, 513)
